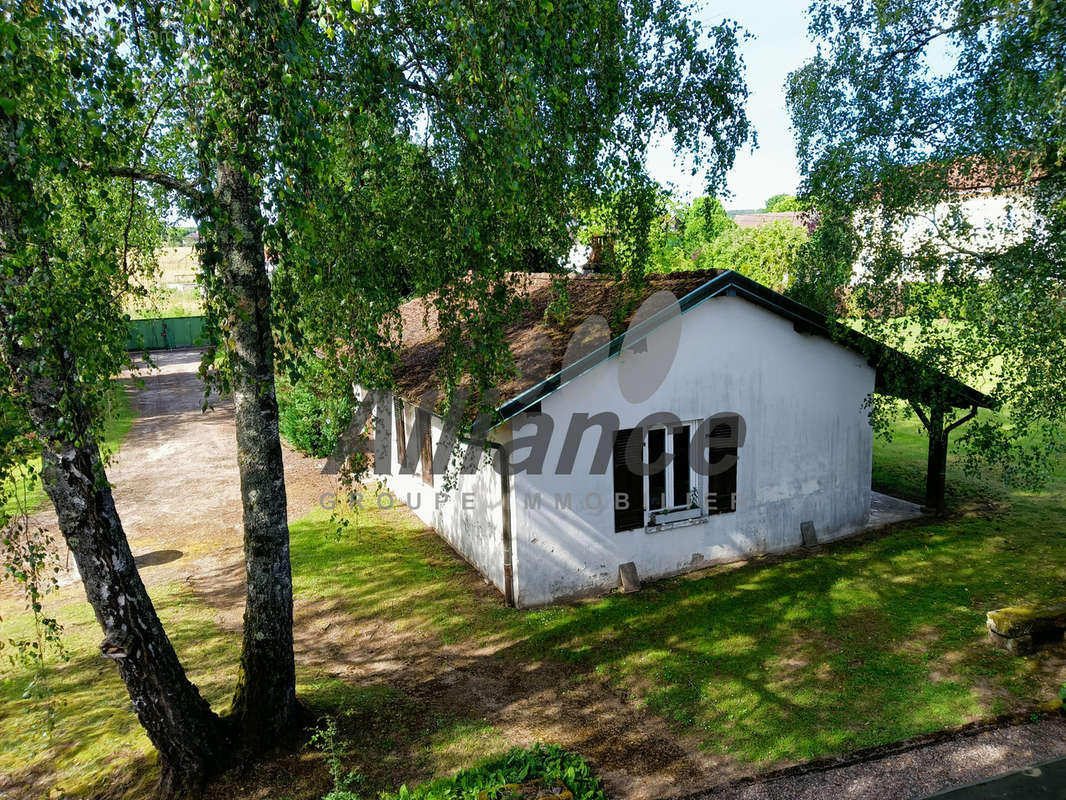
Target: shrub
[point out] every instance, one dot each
(314, 409)
(547, 762)
(783, 202)
(768, 254)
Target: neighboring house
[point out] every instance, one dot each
(799, 219)
(980, 213)
(790, 441)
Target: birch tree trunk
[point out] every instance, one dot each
(179, 722)
(264, 701)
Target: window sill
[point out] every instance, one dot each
(681, 523)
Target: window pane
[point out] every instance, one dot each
(628, 485)
(657, 477)
(682, 472)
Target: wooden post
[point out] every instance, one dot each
(937, 463)
(936, 474)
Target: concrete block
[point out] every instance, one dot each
(1018, 645)
(628, 578)
(1020, 620)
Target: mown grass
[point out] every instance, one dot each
(97, 739)
(863, 643)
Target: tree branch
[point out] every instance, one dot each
(925, 37)
(133, 182)
(943, 237)
(138, 173)
(921, 415)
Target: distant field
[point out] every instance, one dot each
(178, 265)
(174, 293)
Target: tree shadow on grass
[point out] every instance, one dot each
(97, 747)
(809, 656)
(426, 671)
(769, 663)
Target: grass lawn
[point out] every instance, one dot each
(773, 661)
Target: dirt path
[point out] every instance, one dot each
(175, 479)
(176, 487)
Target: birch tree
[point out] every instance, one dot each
(266, 123)
(71, 247)
(930, 138)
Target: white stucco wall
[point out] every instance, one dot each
(469, 515)
(807, 454)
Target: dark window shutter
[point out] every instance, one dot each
(425, 427)
(628, 495)
(401, 433)
(722, 484)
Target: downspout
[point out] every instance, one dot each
(505, 501)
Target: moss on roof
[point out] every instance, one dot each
(538, 341)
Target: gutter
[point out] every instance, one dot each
(505, 501)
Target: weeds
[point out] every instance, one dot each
(548, 763)
(325, 738)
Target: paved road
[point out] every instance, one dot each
(1046, 781)
(921, 772)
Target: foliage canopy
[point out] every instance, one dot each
(930, 137)
(482, 133)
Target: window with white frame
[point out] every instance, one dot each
(672, 486)
(661, 483)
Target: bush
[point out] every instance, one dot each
(547, 762)
(783, 202)
(314, 409)
(768, 254)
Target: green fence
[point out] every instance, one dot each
(165, 334)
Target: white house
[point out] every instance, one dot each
(748, 417)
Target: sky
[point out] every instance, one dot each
(779, 45)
